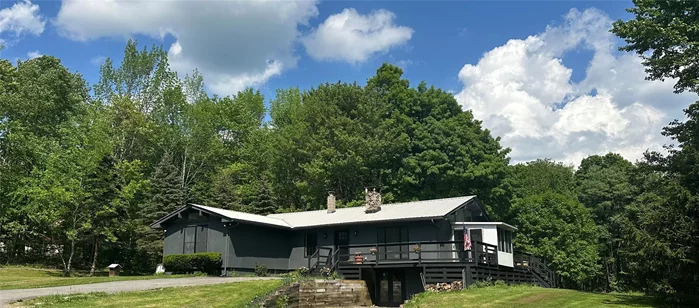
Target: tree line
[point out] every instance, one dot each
(84, 170)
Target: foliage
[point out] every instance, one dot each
(560, 229)
(260, 270)
(282, 301)
(662, 33)
(207, 262)
(663, 220)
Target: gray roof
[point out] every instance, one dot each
(242, 216)
(416, 210)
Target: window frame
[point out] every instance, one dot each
(305, 243)
(194, 238)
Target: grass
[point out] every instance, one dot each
(27, 278)
(237, 294)
(528, 296)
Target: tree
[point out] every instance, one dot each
(42, 105)
(560, 229)
(664, 219)
(104, 204)
(165, 197)
(663, 33)
(605, 187)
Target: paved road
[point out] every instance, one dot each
(8, 296)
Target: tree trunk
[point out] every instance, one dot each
(94, 255)
(70, 258)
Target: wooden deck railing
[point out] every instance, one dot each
(415, 252)
(542, 272)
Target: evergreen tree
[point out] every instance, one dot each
(263, 203)
(104, 204)
(165, 196)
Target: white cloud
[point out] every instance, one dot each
(234, 44)
(523, 92)
(351, 37)
(98, 60)
(20, 18)
(33, 54)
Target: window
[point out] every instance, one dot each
(395, 236)
(504, 240)
(195, 239)
(311, 244)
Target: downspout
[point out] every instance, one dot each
(229, 241)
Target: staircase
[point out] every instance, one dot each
(542, 273)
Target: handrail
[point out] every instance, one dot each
(482, 253)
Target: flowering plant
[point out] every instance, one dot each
(417, 249)
(325, 271)
(303, 270)
(372, 250)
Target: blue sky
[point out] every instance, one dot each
(543, 75)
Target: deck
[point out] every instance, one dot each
(441, 261)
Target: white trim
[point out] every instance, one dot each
(460, 225)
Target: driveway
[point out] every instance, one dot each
(8, 296)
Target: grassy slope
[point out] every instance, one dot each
(25, 278)
(526, 296)
(237, 294)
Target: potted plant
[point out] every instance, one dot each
(358, 258)
(417, 249)
(372, 250)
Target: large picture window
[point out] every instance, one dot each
(195, 239)
(311, 243)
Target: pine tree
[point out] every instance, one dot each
(263, 203)
(165, 196)
(104, 205)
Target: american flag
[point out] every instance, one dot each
(467, 241)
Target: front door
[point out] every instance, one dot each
(341, 242)
(390, 287)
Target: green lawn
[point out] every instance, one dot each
(237, 294)
(25, 278)
(527, 296)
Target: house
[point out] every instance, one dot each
(396, 248)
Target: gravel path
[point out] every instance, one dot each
(8, 296)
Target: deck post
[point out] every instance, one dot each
(466, 276)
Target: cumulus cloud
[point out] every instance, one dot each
(352, 37)
(33, 54)
(524, 93)
(21, 18)
(234, 44)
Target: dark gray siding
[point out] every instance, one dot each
(174, 233)
(367, 235)
(242, 246)
(251, 245)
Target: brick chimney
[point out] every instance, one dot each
(373, 201)
(331, 202)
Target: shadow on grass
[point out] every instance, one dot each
(646, 301)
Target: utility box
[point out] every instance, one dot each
(114, 269)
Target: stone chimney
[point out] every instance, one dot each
(373, 201)
(331, 202)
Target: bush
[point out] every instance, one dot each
(207, 262)
(260, 270)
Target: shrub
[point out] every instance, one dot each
(260, 270)
(207, 262)
(282, 301)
